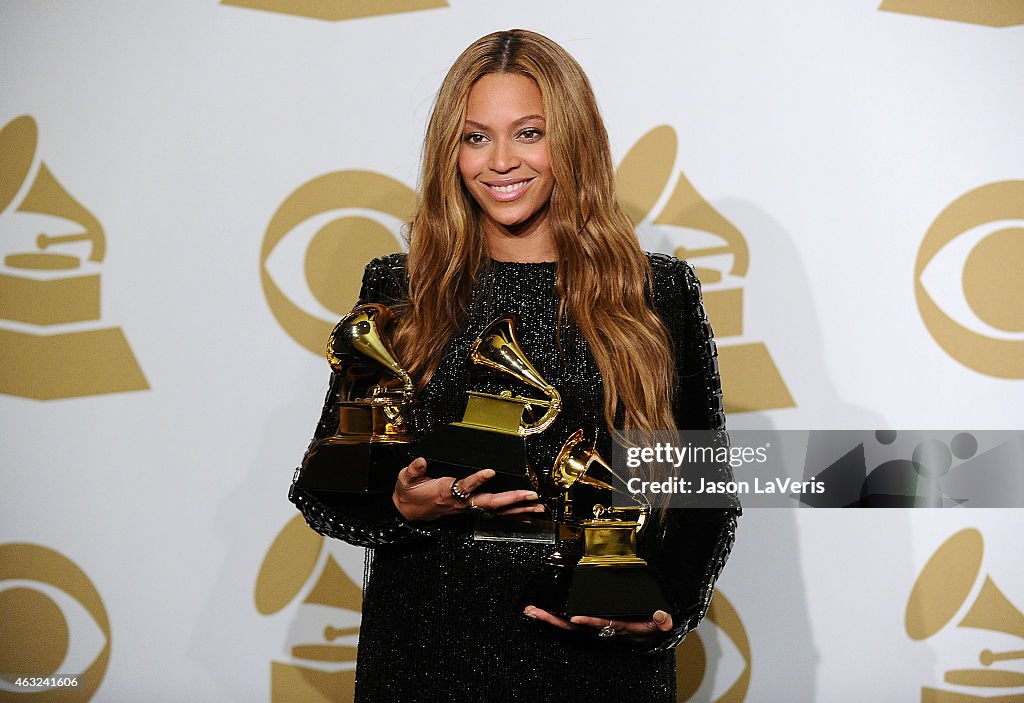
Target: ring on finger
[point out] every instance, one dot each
(608, 630)
(474, 506)
(457, 493)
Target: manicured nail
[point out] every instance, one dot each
(528, 612)
(532, 496)
(660, 616)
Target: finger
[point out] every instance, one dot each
(661, 621)
(597, 623)
(416, 469)
(532, 611)
(497, 501)
(474, 481)
(527, 509)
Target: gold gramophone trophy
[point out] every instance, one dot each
(493, 430)
(607, 579)
(374, 433)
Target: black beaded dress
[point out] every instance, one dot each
(442, 612)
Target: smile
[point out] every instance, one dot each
(508, 191)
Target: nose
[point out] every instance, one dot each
(504, 157)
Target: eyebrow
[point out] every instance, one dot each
(521, 120)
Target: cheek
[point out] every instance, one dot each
(468, 165)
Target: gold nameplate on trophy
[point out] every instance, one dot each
(374, 434)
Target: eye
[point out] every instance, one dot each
(531, 134)
(474, 138)
(317, 243)
(967, 281)
(73, 641)
(963, 279)
(714, 661)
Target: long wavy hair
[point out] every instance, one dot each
(603, 276)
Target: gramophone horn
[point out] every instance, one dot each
(498, 348)
(357, 339)
(579, 464)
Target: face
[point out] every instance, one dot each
(504, 159)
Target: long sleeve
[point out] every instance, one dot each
(691, 545)
(365, 520)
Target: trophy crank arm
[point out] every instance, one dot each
(554, 406)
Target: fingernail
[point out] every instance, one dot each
(576, 620)
(660, 616)
(532, 496)
(528, 612)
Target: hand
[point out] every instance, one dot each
(420, 498)
(638, 631)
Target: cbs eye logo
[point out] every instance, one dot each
(53, 623)
(319, 240)
(968, 283)
(713, 663)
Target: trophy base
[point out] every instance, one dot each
(601, 592)
(457, 450)
(370, 467)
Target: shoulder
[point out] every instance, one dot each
(385, 279)
(674, 280)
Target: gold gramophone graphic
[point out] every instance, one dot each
(44, 288)
(940, 594)
(989, 14)
(493, 430)
(750, 379)
(336, 10)
(301, 577)
(374, 406)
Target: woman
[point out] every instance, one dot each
(518, 215)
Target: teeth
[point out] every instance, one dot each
(510, 188)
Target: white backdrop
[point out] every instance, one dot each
(157, 376)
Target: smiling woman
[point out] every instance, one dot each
(518, 217)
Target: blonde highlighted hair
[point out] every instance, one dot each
(603, 276)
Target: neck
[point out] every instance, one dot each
(527, 247)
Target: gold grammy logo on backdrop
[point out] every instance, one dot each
(338, 9)
(298, 567)
(984, 228)
(51, 285)
(951, 588)
(750, 379)
(992, 13)
(692, 659)
(340, 220)
(54, 624)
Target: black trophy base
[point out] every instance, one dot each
(353, 468)
(600, 591)
(459, 451)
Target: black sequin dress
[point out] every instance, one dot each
(442, 613)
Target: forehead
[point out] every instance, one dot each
(503, 96)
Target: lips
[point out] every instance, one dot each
(508, 189)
